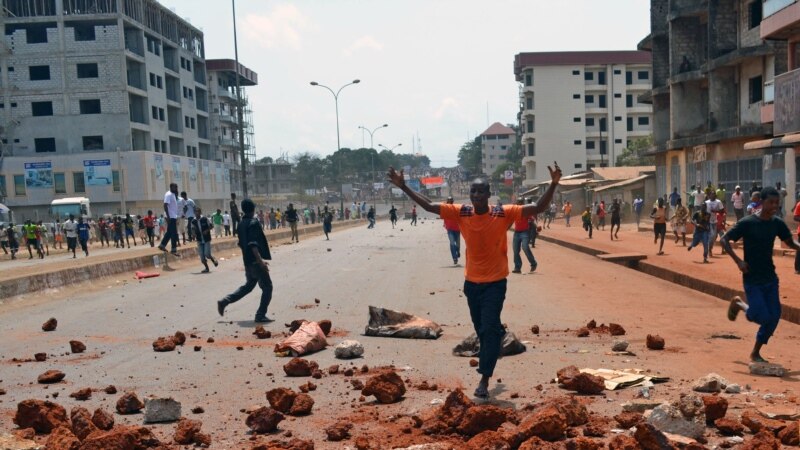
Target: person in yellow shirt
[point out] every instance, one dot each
(484, 231)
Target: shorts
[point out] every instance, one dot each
(129, 232)
(616, 221)
(679, 228)
(59, 238)
(72, 243)
(660, 229)
(33, 242)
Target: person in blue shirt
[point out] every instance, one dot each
(83, 235)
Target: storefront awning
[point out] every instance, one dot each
(623, 183)
(786, 141)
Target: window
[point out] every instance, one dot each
(39, 73)
(153, 79)
(2, 183)
(618, 141)
(77, 182)
(88, 70)
(617, 118)
(617, 72)
(36, 34)
(531, 149)
(19, 185)
(115, 180)
(588, 76)
(755, 13)
(84, 33)
(590, 121)
(617, 95)
(576, 119)
(588, 99)
(528, 79)
(756, 89)
(530, 126)
(45, 145)
(629, 101)
(157, 145)
(578, 166)
(603, 149)
(529, 103)
(90, 106)
(93, 142)
(161, 114)
(576, 96)
(577, 142)
(644, 121)
(601, 77)
(186, 121)
(576, 72)
(628, 77)
(154, 112)
(602, 99)
(629, 124)
(59, 183)
(603, 124)
(42, 109)
(192, 123)
(589, 145)
(643, 75)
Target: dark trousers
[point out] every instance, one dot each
(797, 262)
(254, 275)
(235, 225)
(485, 302)
(520, 242)
(171, 234)
(150, 235)
(764, 308)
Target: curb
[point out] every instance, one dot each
(724, 293)
(50, 280)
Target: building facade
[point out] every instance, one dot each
(105, 99)
(713, 76)
(580, 108)
(496, 141)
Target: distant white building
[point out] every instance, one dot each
(496, 141)
(580, 108)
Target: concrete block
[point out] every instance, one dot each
(157, 410)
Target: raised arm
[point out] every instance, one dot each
(396, 178)
(544, 203)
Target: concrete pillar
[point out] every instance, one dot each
(791, 182)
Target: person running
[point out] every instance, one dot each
(616, 218)
(129, 224)
(601, 215)
(327, 223)
(255, 254)
(44, 240)
(638, 204)
(13, 242)
(235, 217)
(567, 212)
(280, 219)
(660, 217)
(58, 236)
(226, 222)
(763, 304)
(118, 226)
(520, 242)
(83, 235)
(551, 214)
(393, 215)
(414, 215)
(200, 228)
(453, 235)
(141, 229)
(102, 227)
(29, 231)
(371, 217)
(701, 219)
(712, 206)
(172, 214)
(737, 198)
(292, 217)
(484, 230)
(673, 199)
(586, 220)
(722, 227)
(3, 238)
(679, 221)
(150, 227)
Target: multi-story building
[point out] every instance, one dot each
(274, 178)
(712, 74)
(105, 99)
(781, 22)
(496, 141)
(580, 108)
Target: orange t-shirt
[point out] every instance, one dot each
(486, 239)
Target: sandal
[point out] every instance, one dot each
(481, 392)
(734, 308)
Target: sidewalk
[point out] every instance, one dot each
(719, 278)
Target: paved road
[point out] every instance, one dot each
(407, 269)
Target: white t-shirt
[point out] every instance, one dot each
(226, 219)
(71, 228)
(713, 206)
(172, 205)
(699, 197)
(181, 204)
(738, 200)
(189, 207)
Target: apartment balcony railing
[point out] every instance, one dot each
(769, 91)
(773, 6)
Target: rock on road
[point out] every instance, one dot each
(407, 269)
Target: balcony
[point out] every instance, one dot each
(228, 118)
(783, 20)
(226, 94)
(771, 7)
(228, 142)
(688, 8)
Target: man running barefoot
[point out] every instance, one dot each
(660, 217)
(484, 231)
(758, 231)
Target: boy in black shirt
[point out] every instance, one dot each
(763, 304)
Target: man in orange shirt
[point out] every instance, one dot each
(454, 235)
(484, 230)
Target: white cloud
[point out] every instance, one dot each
(364, 42)
(280, 28)
(447, 105)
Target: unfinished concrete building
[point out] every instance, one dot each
(105, 99)
(712, 74)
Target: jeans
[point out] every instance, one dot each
(764, 308)
(371, 222)
(204, 250)
(521, 242)
(293, 225)
(455, 244)
(235, 220)
(254, 275)
(739, 213)
(638, 217)
(485, 302)
(171, 234)
(700, 236)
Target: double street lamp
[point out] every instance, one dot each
(338, 141)
(371, 132)
(372, 154)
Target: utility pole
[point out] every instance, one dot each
(240, 106)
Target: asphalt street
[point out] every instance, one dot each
(408, 269)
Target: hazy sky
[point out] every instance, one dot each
(427, 67)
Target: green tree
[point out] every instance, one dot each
(634, 154)
(469, 156)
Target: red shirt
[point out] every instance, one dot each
(522, 224)
(451, 225)
(797, 213)
(149, 221)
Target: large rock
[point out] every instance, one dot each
(573, 410)
(482, 418)
(791, 434)
(650, 438)
(387, 387)
(729, 427)
(121, 438)
(302, 405)
(655, 342)
(50, 325)
(619, 346)
(299, 367)
(338, 431)
(669, 419)
(716, 407)
(102, 419)
(623, 442)
(62, 439)
(712, 383)
(454, 407)
(767, 369)
(264, 420)
(13, 442)
(281, 399)
(42, 416)
(548, 424)
(348, 349)
(616, 329)
(164, 344)
(77, 346)
(82, 425)
(487, 440)
(756, 422)
(50, 377)
(157, 410)
(129, 403)
(186, 430)
(628, 420)
(763, 440)
(574, 380)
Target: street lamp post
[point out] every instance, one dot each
(372, 156)
(338, 141)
